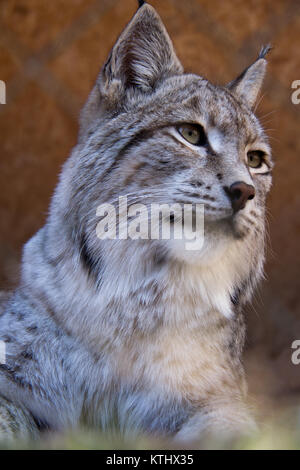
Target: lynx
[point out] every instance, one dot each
(143, 335)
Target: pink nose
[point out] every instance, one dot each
(239, 193)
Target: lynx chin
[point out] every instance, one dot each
(143, 336)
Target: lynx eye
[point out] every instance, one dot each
(193, 133)
(255, 159)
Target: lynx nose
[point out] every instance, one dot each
(239, 193)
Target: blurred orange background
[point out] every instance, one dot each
(50, 54)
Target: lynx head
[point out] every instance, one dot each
(156, 134)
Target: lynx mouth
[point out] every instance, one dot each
(227, 226)
(240, 230)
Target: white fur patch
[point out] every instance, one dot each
(215, 139)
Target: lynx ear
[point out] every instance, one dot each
(142, 56)
(249, 83)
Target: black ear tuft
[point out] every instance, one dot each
(264, 51)
(141, 3)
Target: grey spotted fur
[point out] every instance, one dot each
(141, 334)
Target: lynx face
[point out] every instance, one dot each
(157, 135)
(192, 142)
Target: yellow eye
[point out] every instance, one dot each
(255, 158)
(193, 133)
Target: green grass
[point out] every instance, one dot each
(275, 439)
(283, 433)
